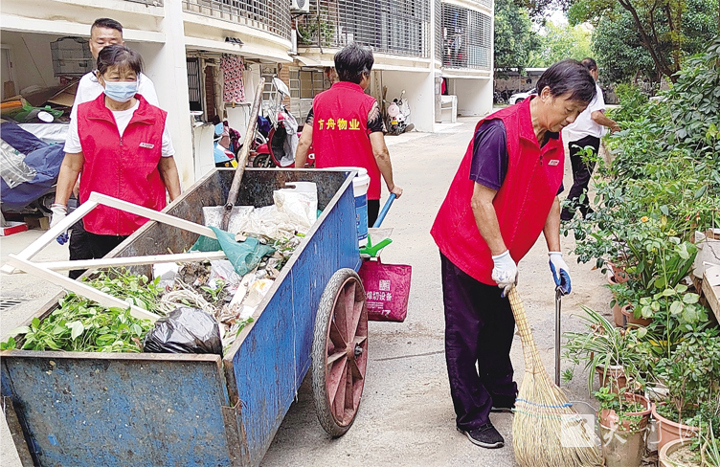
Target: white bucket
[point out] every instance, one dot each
(361, 184)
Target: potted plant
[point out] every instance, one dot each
(702, 451)
(692, 375)
(623, 420)
(616, 354)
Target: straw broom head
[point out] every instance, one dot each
(547, 432)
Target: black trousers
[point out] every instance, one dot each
(373, 209)
(582, 173)
(86, 245)
(479, 327)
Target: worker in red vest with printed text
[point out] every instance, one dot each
(345, 126)
(503, 196)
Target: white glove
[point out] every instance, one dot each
(59, 212)
(560, 269)
(504, 271)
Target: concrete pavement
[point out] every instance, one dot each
(406, 416)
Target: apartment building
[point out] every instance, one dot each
(207, 56)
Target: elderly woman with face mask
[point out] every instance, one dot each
(503, 196)
(120, 145)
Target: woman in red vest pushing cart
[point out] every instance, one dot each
(345, 126)
(502, 197)
(119, 143)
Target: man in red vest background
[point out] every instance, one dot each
(345, 126)
(503, 196)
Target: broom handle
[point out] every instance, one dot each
(243, 157)
(529, 348)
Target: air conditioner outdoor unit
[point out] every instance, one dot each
(300, 6)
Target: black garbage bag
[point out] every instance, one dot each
(185, 330)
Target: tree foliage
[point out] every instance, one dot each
(514, 37)
(561, 41)
(668, 30)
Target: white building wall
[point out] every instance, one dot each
(474, 96)
(420, 93)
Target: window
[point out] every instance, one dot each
(194, 83)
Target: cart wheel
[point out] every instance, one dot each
(339, 352)
(262, 160)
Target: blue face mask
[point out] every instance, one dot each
(121, 91)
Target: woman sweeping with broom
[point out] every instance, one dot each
(503, 196)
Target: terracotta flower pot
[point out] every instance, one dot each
(671, 431)
(668, 449)
(616, 372)
(619, 274)
(627, 312)
(621, 445)
(618, 317)
(610, 419)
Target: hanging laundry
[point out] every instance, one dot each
(233, 71)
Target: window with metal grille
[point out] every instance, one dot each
(268, 72)
(397, 27)
(466, 38)
(194, 83)
(268, 15)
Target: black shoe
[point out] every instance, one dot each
(486, 436)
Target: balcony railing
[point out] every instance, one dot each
(396, 27)
(148, 2)
(466, 38)
(272, 16)
(487, 3)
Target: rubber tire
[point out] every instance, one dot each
(317, 368)
(519, 101)
(263, 161)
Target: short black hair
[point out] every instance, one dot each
(352, 62)
(568, 76)
(107, 23)
(121, 56)
(589, 63)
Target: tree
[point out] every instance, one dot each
(514, 37)
(562, 41)
(665, 28)
(619, 51)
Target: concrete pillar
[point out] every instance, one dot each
(166, 65)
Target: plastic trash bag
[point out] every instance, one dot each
(299, 202)
(13, 168)
(244, 256)
(185, 330)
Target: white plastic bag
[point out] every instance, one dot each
(299, 203)
(13, 168)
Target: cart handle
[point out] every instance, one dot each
(384, 211)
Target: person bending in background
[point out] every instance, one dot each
(345, 127)
(585, 132)
(119, 144)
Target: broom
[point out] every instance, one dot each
(547, 432)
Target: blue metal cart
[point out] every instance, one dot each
(91, 409)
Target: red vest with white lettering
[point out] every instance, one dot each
(340, 132)
(522, 204)
(124, 168)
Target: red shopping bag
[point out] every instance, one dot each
(387, 287)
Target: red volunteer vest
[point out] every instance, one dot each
(522, 204)
(124, 168)
(340, 132)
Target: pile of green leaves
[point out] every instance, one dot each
(81, 325)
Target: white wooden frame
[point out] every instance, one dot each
(46, 270)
